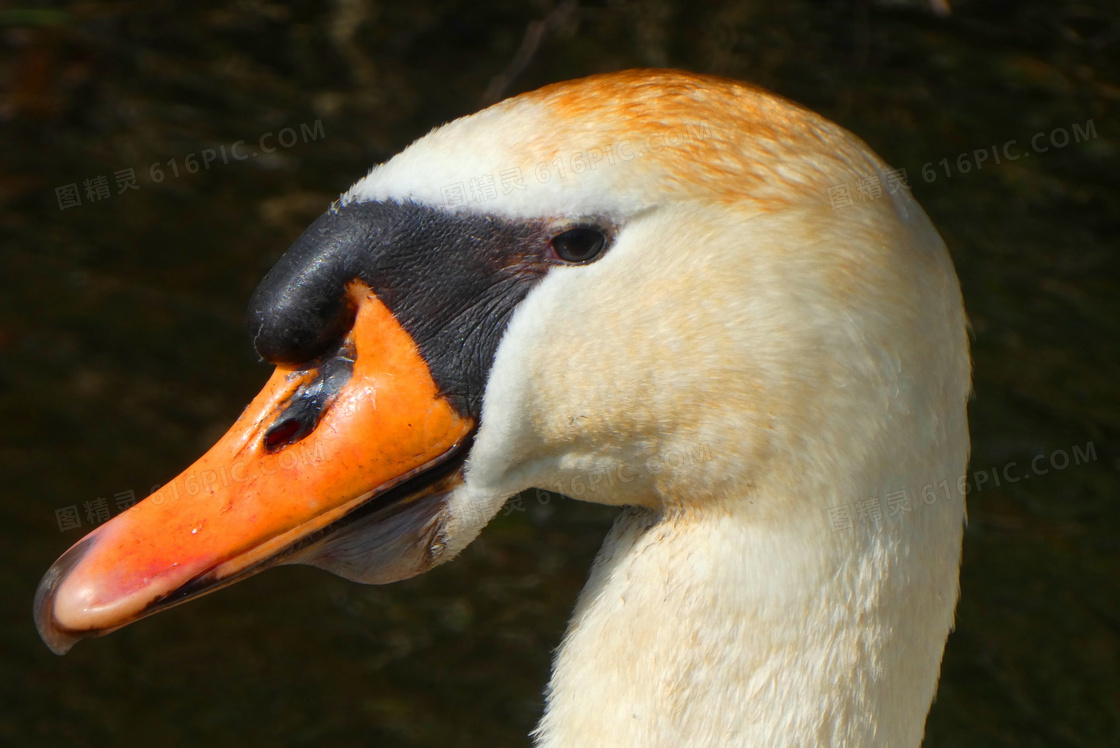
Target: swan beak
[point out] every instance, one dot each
(360, 429)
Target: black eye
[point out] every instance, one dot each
(579, 245)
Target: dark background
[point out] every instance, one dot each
(123, 353)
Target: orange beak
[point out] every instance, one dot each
(361, 447)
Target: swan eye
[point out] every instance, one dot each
(579, 245)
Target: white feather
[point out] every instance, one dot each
(744, 360)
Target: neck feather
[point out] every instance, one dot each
(726, 629)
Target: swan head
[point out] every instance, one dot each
(633, 289)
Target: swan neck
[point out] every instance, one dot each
(722, 629)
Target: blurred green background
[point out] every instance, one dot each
(123, 353)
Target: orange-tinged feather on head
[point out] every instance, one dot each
(733, 141)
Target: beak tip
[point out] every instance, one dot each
(54, 634)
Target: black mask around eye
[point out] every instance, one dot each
(452, 280)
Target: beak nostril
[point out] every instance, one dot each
(311, 400)
(282, 433)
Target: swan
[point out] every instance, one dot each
(638, 289)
